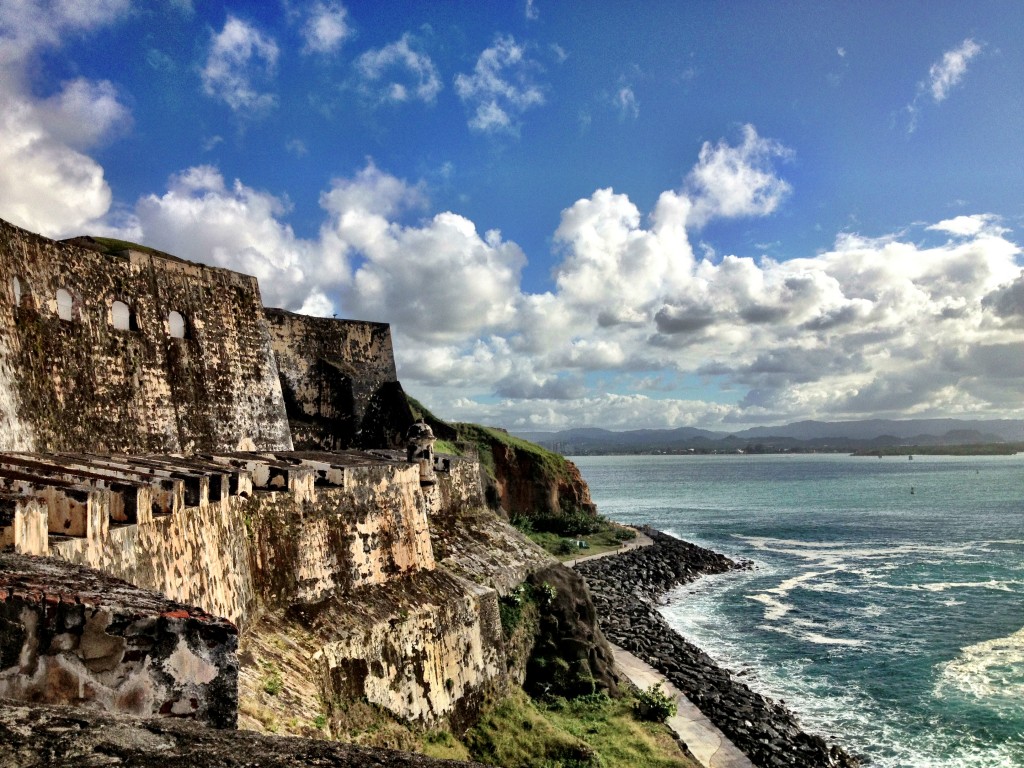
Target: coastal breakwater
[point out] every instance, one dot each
(624, 589)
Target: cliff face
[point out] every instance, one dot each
(528, 485)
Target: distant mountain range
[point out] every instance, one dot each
(799, 436)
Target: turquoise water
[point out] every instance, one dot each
(889, 620)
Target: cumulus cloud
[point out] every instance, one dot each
(238, 56)
(875, 325)
(969, 226)
(501, 87)
(48, 182)
(399, 73)
(326, 28)
(730, 181)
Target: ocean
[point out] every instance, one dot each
(886, 607)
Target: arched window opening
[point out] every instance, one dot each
(176, 325)
(121, 316)
(65, 305)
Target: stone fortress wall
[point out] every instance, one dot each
(131, 352)
(148, 412)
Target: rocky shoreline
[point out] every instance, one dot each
(624, 588)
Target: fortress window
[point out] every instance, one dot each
(22, 293)
(176, 325)
(65, 304)
(122, 317)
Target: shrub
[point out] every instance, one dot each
(273, 684)
(655, 705)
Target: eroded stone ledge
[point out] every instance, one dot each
(70, 635)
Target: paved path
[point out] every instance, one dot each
(702, 738)
(641, 540)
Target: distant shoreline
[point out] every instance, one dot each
(972, 449)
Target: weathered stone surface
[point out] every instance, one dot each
(34, 736)
(83, 384)
(339, 382)
(476, 544)
(424, 647)
(73, 636)
(199, 556)
(372, 530)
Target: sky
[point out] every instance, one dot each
(713, 214)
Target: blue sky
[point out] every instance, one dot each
(710, 214)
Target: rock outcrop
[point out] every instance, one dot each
(35, 736)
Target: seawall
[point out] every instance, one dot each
(625, 589)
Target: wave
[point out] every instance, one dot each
(990, 671)
(942, 586)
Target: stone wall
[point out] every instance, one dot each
(369, 531)
(339, 381)
(425, 648)
(72, 636)
(131, 352)
(197, 556)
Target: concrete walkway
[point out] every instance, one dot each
(641, 540)
(702, 738)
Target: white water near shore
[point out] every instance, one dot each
(890, 621)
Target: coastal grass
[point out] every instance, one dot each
(609, 537)
(589, 731)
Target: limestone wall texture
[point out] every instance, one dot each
(424, 648)
(90, 357)
(369, 532)
(72, 636)
(339, 381)
(198, 556)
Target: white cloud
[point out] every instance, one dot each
(238, 55)
(532, 14)
(398, 73)
(969, 226)
(625, 101)
(48, 182)
(501, 87)
(28, 25)
(943, 76)
(947, 73)
(326, 28)
(202, 218)
(735, 181)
